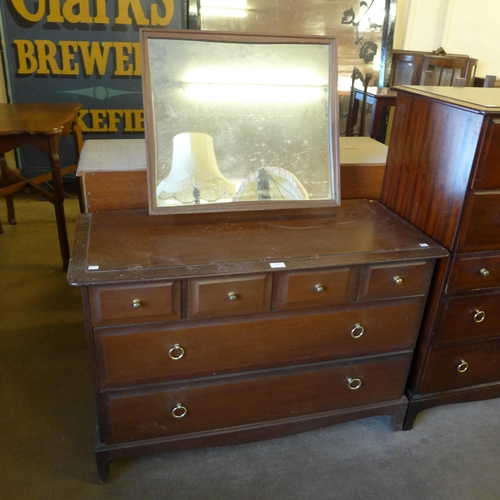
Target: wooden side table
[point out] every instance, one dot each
(42, 125)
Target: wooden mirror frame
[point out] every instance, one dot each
(240, 38)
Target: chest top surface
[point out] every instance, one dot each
(129, 245)
(482, 100)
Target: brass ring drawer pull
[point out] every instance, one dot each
(484, 272)
(354, 383)
(318, 287)
(136, 303)
(462, 367)
(232, 296)
(172, 352)
(357, 331)
(179, 411)
(398, 280)
(479, 316)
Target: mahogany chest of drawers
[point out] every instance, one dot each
(208, 333)
(443, 176)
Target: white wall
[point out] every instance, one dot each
(469, 27)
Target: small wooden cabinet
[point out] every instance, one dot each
(443, 176)
(208, 332)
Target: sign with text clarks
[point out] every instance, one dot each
(84, 51)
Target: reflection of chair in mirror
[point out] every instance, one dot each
(352, 113)
(445, 69)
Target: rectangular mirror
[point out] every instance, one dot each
(239, 121)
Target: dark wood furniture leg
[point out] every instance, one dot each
(11, 214)
(58, 200)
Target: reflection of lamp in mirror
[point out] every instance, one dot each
(194, 175)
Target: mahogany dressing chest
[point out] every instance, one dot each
(208, 333)
(443, 176)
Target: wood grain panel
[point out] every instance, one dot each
(135, 303)
(441, 371)
(488, 174)
(469, 271)
(428, 167)
(213, 297)
(315, 288)
(135, 357)
(481, 227)
(148, 414)
(469, 318)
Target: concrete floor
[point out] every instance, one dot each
(47, 416)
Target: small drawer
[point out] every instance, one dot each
(315, 288)
(383, 281)
(151, 355)
(214, 297)
(470, 318)
(463, 365)
(488, 173)
(133, 304)
(470, 272)
(226, 403)
(482, 226)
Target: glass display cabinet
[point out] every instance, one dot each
(240, 121)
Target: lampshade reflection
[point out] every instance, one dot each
(195, 175)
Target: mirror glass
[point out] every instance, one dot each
(235, 121)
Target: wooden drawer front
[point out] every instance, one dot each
(144, 415)
(462, 365)
(212, 297)
(482, 231)
(488, 173)
(382, 281)
(315, 288)
(204, 349)
(470, 318)
(471, 272)
(133, 304)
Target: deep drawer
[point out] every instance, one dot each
(203, 349)
(471, 272)
(213, 297)
(482, 227)
(194, 408)
(462, 365)
(133, 304)
(470, 318)
(382, 281)
(315, 288)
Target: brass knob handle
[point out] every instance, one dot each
(479, 316)
(462, 367)
(136, 303)
(398, 280)
(484, 272)
(357, 331)
(232, 296)
(176, 352)
(179, 411)
(354, 383)
(318, 287)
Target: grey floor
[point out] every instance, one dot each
(47, 416)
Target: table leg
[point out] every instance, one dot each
(55, 166)
(11, 213)
(77, 136)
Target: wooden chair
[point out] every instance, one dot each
(445, 69)
(489, 81)
(352, 113)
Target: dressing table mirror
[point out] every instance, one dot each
(239, 121)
